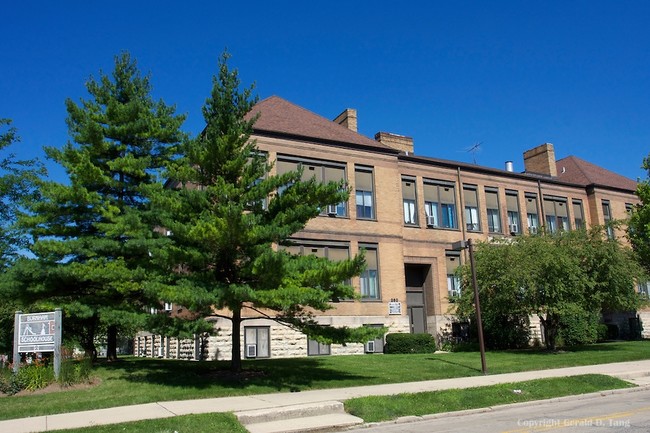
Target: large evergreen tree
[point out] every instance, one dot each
(227, 226)
(17, 178)
(92, 237)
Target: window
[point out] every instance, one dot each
(440, 204)
(578, 216)
(256, 341)
(493, 214)
(629, 208)
(259, 158)
(607, 216)
(369, 279)
(364, 193)
(512, 206)
(556, 213)
(376, 345)
(472, 218)
(532, 214)
(334, 251)
(322, 171)
(644, 289)
(453, 280)
(410, 202)
(460, 331)
(314, 348)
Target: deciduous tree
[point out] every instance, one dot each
(566, 279)
(639, 224)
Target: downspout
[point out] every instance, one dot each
(541, 204)
(461, 209)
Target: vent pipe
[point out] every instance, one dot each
(509, 166)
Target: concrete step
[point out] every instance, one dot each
(309, 424)
(297, 418)
(641, 377)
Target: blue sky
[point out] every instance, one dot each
(507, 74)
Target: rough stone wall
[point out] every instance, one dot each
(536, 331)
(288, 343)
(644, 316)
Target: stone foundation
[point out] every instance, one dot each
(284, 342)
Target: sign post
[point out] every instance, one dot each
(38, 332)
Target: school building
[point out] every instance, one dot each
(406, 210)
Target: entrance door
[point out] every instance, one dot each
(416, 276)
(415, 306)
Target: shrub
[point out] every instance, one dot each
(579, 327)
(83, 369)
(9, 383)
(75, 371)
(35, 376)
(410, 343)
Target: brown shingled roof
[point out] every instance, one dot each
(575, 170)
(279, 116)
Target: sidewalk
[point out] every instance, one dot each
(626, 370)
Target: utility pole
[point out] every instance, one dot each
(469, 244)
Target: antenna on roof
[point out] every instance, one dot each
(476, 147)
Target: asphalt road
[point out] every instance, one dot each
(613, 413)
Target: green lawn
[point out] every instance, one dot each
(139, 380)
(384, 408)
(209, 422)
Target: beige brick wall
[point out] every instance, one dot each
(398, 244)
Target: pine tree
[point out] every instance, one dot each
(228, 227)
(17, 179)
(92, 238)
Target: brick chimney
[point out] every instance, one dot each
(541, 160)
(348, 118)
(397, 142)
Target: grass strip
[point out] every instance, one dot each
(208, 422)
(385, 408)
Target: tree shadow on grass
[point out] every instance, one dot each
(459, 367)
(276, 375)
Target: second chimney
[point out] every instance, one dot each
(397, 142)
(348, 118)
(541, 160)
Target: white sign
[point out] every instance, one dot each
(394, 307)
(36, 332)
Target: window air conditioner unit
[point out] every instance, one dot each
(331, 210)
(370, 347)
(532, 230)
(513, 228)
(431, 222)
(472, 227)
(251, 351)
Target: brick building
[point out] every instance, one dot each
(406, 210)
